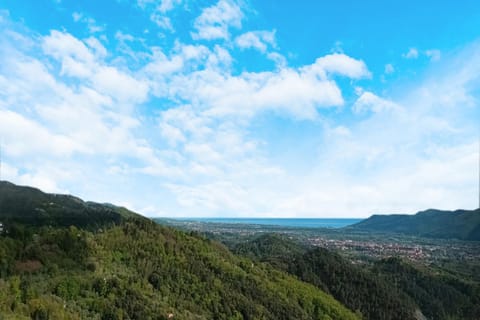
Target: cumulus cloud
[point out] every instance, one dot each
(91, 24)
(181, 123)
(162, 6)
(43, 180)
(25, 137)
(47, 122)
(414, 53)
(341, 64)
(296, 92)
(83, 60)
(367, 101)
(389, 68)
(158, 10)
(291, 91)
(259, 40)
(433, 54)
(411, 54)
(215, 21)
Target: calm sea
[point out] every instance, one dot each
(286, 222)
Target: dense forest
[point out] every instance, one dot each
(389, 289)
(31, 207)
(135, 269)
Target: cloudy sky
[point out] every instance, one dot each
(255, 108)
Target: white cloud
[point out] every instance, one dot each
(389, 69)
(296, 92)
(25, 137)
(280, 60)
(59, 45)
(167, 5)
(97, 47)
(91, 24)
(339, 63)
(79, 61)
(158, 10)
(48, 123)
(77, 16)
(414, 53)
(214, 197)
(123, 37)
(42, 180)
(119, 85)
(211, 136)
(259, 40)
(181, 124)
(291, 91)
(433, 54)
(162, 21)
(171, 133)
(370, 102)
(411, 54)
(215, 21)
(162, 6)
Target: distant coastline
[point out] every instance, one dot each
(284, 222)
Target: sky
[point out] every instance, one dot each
(248, 108)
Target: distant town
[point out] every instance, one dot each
(361, 247)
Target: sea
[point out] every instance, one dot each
(284, 222)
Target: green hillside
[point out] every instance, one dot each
(390, 289)
(439, 296)
(353, 286)
(30, 206)
(459, 224)
(133, 268)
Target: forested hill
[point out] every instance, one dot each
(30, 206)
(133, 268)
(390, 289)
(459, 224)
(353, 286)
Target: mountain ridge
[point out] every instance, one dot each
(31, 206)
(433, 223)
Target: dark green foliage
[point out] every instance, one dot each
(272, 248)
(40, 314)
(27, 206)
(459, 224)
(391, 289)
(439, 296)
(136, 269)
(146, 271)
(358, 289)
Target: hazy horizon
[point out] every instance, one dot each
(243, 109)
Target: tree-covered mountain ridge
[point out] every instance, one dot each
(63, 258)
(433, 223)
(31, 206)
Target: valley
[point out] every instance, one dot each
(65, 258)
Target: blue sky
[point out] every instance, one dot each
(244, 108)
